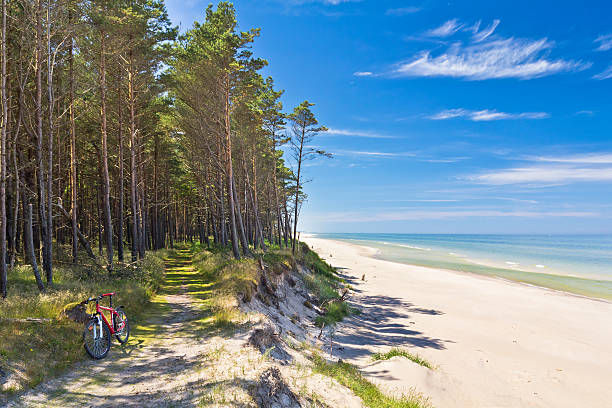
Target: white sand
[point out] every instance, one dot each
(495, 343)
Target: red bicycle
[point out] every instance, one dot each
(98, 331)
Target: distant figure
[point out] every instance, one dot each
(363, 277)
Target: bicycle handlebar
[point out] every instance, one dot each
(98, 298)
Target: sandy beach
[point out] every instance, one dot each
(494, 343)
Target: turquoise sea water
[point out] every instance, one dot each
(580, 264)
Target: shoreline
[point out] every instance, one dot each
(557, 282)
(474, 274)
(495, 342)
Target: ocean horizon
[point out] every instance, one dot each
(574, 263)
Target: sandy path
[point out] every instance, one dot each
(495, 343)
(164, 372)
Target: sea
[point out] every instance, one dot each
(578, 264)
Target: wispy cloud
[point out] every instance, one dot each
(485, 115)
(605, 74)
(358, 133)
(485, 33)
(604, 41)
(363, 73)
(595, 158)
(445, 30)
(494, 59)
(443, 214)
(545, 174)
(402, 11)
(367, 153)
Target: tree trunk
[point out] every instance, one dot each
(229, 171)
(243, 240)
(108, 223)
(43, 225)
(29, 245)
(51, 102)
(133, 178)
(3, 166)
(121, 175)
(73, 169)
(297, 192)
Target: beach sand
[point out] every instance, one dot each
(494, 343)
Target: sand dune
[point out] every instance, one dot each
(495, 343)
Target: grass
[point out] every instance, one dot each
(397, 352)
(349, 376)
(34, 351)
(323, 282)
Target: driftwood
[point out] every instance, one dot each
(84, 242)
(273, 392)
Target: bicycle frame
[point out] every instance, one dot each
(101, 318)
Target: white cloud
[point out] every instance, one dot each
(597, 158)
(605, 42)
(442, 214)
(445, 30)
(486, 115)
(363, 73)
(486, 33)
(373, 153)
(605, 74)
(545, 174)
(357, 133)
(402, 11)
(494, 59)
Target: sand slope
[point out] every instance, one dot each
(495, 343)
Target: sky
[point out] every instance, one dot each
(445, 116)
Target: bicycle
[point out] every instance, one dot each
(98, 331)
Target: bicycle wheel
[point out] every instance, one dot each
(121, 326)
(97, 342)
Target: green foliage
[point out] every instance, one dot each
(397, 352)
(372, 397)
(336, 311)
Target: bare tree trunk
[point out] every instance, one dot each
(108, 223)
(3, 167)
(73, 169)
(121, 175)
(51, 102)
(230, 172)
(29, 245)
(275, 186)
(133, 179)
(297, 192)
(243, 240)
(43, 225)
(84, 242)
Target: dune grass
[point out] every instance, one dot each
(349, 376)
(397, 352)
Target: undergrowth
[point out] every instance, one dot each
(33, 350)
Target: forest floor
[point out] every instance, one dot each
(161, 365)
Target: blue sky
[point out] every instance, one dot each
(446, 116)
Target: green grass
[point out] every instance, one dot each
(349, 376)
(396, 352)
(40, 350)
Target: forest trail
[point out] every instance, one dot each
(160, 366)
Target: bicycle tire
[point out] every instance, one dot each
(96, 348)
(123, 335)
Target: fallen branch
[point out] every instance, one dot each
(82, 240)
